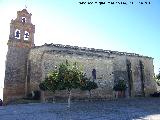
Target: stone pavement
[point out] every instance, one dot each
(122, 109)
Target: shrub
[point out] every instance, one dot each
(89, 85)
(120, 86)
(155, 94)
(35, 95)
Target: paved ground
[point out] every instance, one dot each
(123, 109)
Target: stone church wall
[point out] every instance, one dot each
(109, 67)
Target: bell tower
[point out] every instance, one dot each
(22, 30)
(21, 40)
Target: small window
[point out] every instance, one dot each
(17, 34)
(26, 35)
(94, 73)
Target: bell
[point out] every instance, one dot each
(17, 34)
(23, 20)
(26, 35)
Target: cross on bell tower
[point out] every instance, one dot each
(22, 30)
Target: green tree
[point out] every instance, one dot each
(67, 77)
(157, 79)
(158, 76)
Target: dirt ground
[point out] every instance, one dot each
(122, 109)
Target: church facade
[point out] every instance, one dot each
(27, 65)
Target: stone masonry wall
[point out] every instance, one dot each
(15, 74)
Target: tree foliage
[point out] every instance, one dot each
(157, 79)
(158, 76)
(67, 77)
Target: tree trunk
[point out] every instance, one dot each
(115, 93)
(53, 100)
(42, 97)
(69, 99)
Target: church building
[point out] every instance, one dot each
(27, 65)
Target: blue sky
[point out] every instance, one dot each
(131, 28)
